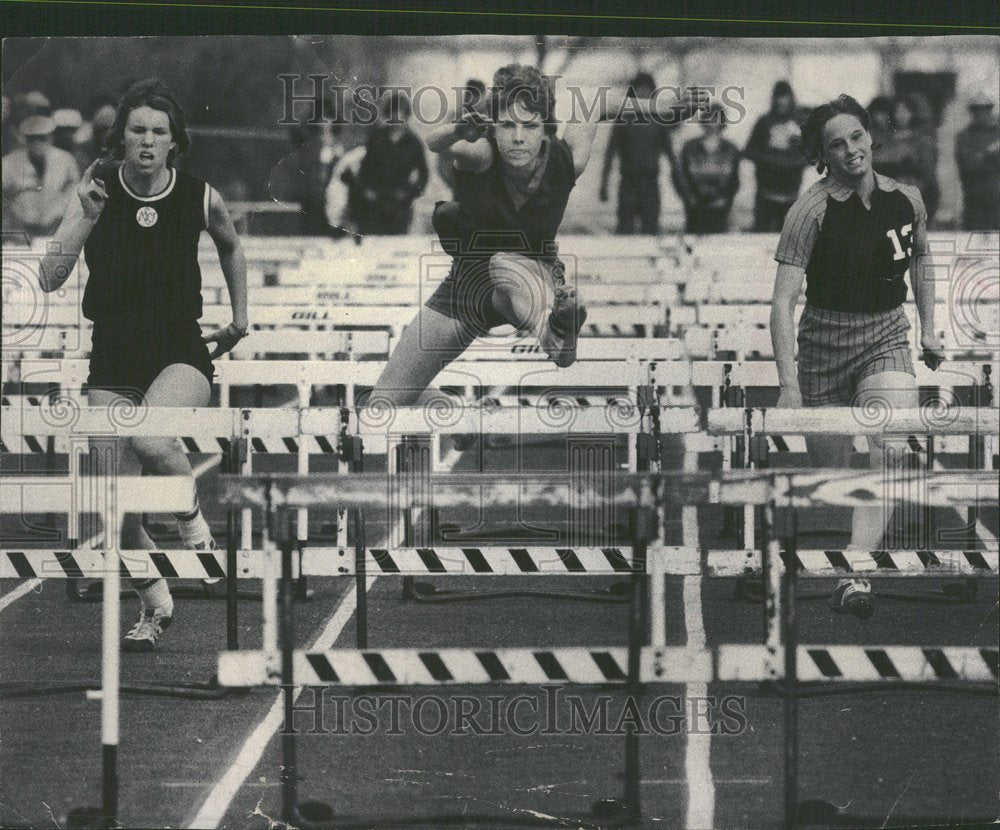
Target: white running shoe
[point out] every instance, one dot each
(145, 634)
(559, 334)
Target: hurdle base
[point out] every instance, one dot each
(830, 689)
(815, 813)
(428, 593)
(318, 815)
(94, 592)
(198, 690)
(951, 593)
(88, 818)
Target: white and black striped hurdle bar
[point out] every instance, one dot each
(359, 669)
(319, 561)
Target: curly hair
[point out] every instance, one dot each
(812, 127)
(529, 87)
(152, 93)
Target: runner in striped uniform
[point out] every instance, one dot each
(140, 219)
(853, 237)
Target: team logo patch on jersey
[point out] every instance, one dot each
(146, 216)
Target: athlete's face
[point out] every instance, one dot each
(519, 134)
(148, 140)
(847, 147)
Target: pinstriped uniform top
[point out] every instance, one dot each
(856, 258)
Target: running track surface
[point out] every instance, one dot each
(893, 758)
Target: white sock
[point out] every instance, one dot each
(155, 596)
(194, 531)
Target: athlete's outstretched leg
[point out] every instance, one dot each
(428, 345)
(532, 297)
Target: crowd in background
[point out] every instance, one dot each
(371, 188)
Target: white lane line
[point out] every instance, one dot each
(22, 589)
(27, 587)
(215, 806)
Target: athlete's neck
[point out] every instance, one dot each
(863, 184)
(146, 184)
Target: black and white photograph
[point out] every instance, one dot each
(468, 429)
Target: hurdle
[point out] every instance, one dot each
(112, 498)
(754, 427)
(777, 659)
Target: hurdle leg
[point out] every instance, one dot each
(360, 579)
(289, 761)
(789, 636)
(231, 465)
(633, 688)
(107, 813)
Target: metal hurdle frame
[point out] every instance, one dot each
(651, 363)
(778, 659)
(113, 500)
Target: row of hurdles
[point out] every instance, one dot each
(779, 660)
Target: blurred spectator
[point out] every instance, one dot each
(37, 180)
(68, 123)
(638, 147)
(392, 174)
(774, 149)
(880, 113)
(977, 150)
(7, 127)
(303, 176)
(709, 175)
(31, 103)
(909, 153)
(474, 98)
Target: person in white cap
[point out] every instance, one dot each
(977, 150)
(38, 179)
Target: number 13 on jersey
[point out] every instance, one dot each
(898, 252)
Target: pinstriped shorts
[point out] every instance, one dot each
(837, 349)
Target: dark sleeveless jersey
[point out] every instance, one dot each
(484, 219)
(142, 254)
(856, 258)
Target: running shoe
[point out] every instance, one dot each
(145, 634)
(854, 597)
(559, 335)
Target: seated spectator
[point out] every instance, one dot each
(709, 176)
(37, 180)
(977, 150)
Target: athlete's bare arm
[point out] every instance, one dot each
(787, 287)
(234, 269)
(82, 213)
(922, 283)
(464, 142)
